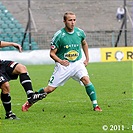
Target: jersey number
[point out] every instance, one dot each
(51, 79)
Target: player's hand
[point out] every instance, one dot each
(64, 62)
(17, 46)
(85, 62)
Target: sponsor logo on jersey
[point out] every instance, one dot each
(71, 55)
(71, 46)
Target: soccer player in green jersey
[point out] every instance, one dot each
(66, 51)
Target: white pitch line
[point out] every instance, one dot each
(18, 104)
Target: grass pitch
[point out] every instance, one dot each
(68, 109)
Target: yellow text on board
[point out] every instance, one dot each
(117, 54)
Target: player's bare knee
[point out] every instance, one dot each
(20, 69)
(85, 80)
(5, 88)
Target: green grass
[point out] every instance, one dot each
(68, 109)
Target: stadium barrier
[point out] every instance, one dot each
(36, 57)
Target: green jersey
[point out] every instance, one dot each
(68, 44)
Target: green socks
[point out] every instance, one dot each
(41, 90)
(90, 89)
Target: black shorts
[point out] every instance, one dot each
(6, 69)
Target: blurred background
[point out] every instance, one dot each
(32, 23)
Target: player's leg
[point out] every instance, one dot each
(47, 89)
(5, 93)
(90, 89)
(55, 80)
(6, 100)
(25, 81)
(43, 91)
(58, 78)
(81, 75)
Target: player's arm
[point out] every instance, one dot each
(85, 49)
(6, 44)
(57, 59)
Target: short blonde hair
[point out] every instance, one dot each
(68, 13)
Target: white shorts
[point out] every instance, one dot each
(61, 74)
